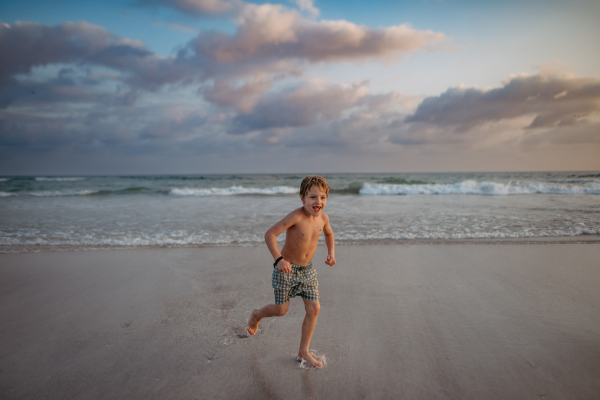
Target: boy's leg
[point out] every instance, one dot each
(312, 308)
(270, 310)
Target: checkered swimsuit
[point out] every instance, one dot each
(300, 281)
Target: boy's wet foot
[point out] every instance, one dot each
(252, 323)
(309, 359)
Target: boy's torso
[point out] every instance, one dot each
(301, 239)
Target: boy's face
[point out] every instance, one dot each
(314, 201)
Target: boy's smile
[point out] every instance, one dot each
(314, 201)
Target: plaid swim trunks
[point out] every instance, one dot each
(300, 281)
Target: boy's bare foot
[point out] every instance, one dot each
(253, 323)
(309, 359)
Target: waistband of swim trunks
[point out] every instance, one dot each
(296, 266)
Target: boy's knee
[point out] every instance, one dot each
(282, 309)
(313, 309)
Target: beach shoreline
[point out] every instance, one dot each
(580, 239)
(397, 321)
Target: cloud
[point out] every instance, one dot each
(272, 42)
(26, 45)
(549, 98)
(271, 32)
(243, 97)
(196, 7)
(308, 6)
(305, 105)
(177, 124)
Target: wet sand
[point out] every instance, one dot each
(461, 321)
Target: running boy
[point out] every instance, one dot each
(294, 274)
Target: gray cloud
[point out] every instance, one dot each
(305, 105)
(554, 99)
(174, 126)
(243, 97)
(26, 45)
(69, 86)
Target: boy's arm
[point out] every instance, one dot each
(330, 242)
(271, 239)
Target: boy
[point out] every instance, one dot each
(294, 274)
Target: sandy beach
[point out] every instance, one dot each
(426, 321)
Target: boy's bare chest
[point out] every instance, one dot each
(306, 231)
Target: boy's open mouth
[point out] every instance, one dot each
(317, 208)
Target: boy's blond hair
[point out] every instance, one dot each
(313, 180)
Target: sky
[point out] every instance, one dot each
(230, 86)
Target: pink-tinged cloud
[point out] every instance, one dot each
(273, 32)
(552, 99)
(308, 6)
(196, 7)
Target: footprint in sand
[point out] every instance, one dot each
(240, 332)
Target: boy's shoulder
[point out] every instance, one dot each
(295, 214)
(299, 214)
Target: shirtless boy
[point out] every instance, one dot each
(294, 274)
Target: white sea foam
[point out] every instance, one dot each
(233, 190)
(302, 363)
(4, 179)
(6, 194)
(60, 179)
(483, 188)
(147, 240)
(518, 234)
(66, 239)
(58, 193)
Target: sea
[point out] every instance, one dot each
(59, 213)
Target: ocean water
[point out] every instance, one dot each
(39, 213)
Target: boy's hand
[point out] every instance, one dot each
(283, 266)
(330, 260)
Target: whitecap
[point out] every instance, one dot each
(482, 188)
(58, 193)
(60, 179)
(233, 190)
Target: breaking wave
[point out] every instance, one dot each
(233, 190)
(59, 179)
(58, 193)
(482, 188)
